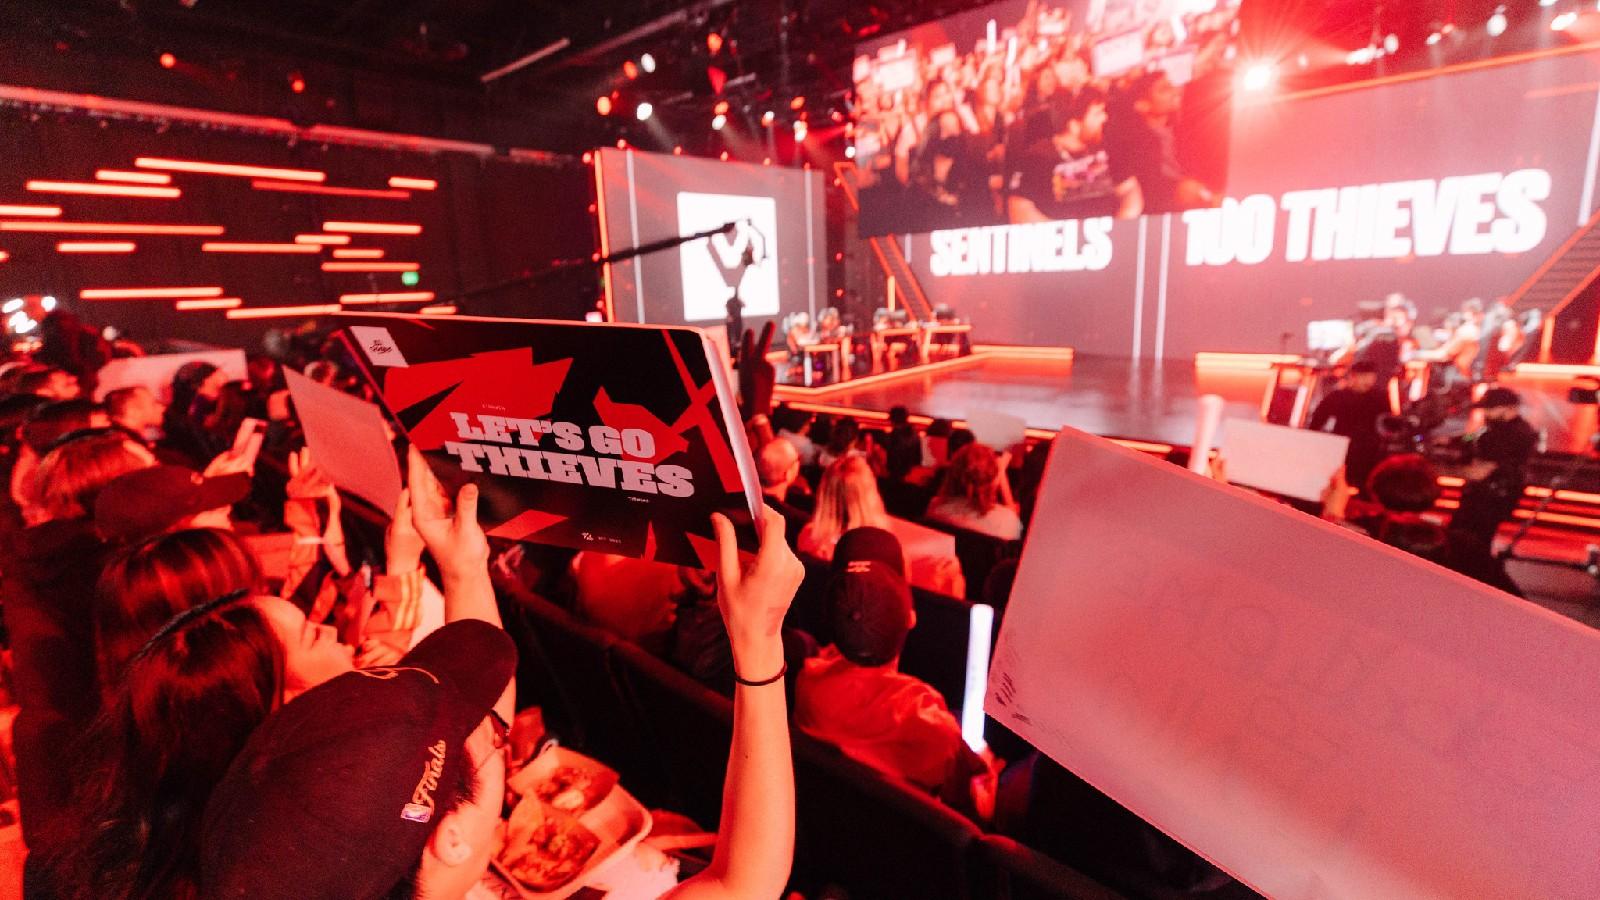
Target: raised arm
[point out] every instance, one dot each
(755, 843)
(461, 549)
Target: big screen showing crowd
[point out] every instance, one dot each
(1035, 110)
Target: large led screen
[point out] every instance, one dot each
(1027, 111)
(769, 254)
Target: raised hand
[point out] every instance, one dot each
(455, 539)
(307, 481)
(402, 545)
(754, 599)
(756, 375)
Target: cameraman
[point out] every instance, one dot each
(1498, 472)
(1354, 408)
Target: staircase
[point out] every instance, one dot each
(907, 293)
(1553, 289)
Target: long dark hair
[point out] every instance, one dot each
(147, 584)
(180, 714)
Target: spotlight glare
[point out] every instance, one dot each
(603, 105)
(766, 117)
(1260, 76)
(1434, 38)
(1547, 2)
(643, 111)
(800, 129)
(1496, 25)
(1563, 21)
(630, 70)
(167, 60)
(717, 121)
(647, 63)
(1391, 44)
(49, 304)
(850, 152)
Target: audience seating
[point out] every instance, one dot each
(850, 819)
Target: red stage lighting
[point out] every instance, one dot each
(134, 177)
(603, 105)
(415, 184)
(95, 247)
(721, 108)
(147, 293)
(724, 156)
(95, 187)
(358, 253)
(587, 157)
(372, 227)
(218, 303)
(714, 42)
(296, 83)
(406, 297)
(210, 168)
(322, 239)
(630, 70)
(167, 60)
(274, 312)
(797, 102)
(370, 267)
(228, 247)
(43, 212)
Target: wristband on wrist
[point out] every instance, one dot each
(784, 670)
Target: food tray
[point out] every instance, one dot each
(618, 820)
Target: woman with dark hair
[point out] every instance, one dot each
(147, 584)
(195, 389)
(189, 699)
(975, 495)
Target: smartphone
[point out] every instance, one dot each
(247, 442)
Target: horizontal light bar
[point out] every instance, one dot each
(322, 239)
(443, 309)
(147, 293)
(1247, 361)
(272, 312)
(370, 266)
(96, 247)
(372, 227)
(416, 184)
(1554, 370)
(227, 247)
(4, 256)
(404, 297)
(358, 253)
(133, 177)
(208, 168)
(111, 190)
(1022, 352)
(109, 228)
(24, 209)
(291, 187)
(217, 303)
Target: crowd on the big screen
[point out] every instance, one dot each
(1094, 109)
(186, 631)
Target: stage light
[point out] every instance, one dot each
(588, 157)
(209, 168)
(218, 303)
(110, 190)
(410, 279)
(134, 177)
(369, 267)
(767, 117)
(1361, 56)
(48, 304)
(603, 105)
(724, 156)
(1434, 38)
(1496, 25)
(409, 297)
(1547, 2)
(1391, 44)
(322, 239)
(850, 152)
(767, 161)
(630, 70)
(721, 108)
(12, 305)
(714, 42)
(43, 212)
(96, 247)
(419, 184)
(622, 143)
(643, 110)
(160, 293)
(647, 63)
(797, 103)
(800, 130)
(167, 60)
(717, 121)
(358, 253)
(1563, 21)
(4, 255)
(1259, 76)
(372, 227)
(678, 150)
(236, 247)
(296, 83)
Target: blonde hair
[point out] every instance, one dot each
(847, 498)
(973, 477)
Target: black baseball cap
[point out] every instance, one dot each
(336, 794)
(868, 543)
(869, 602)
(148, 502)
(1496, 397)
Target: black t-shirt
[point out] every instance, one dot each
(1355, 414)
(1509, 444)
(1137, 149)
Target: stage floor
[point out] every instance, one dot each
(1147, 401)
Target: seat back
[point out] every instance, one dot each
(1007, 870)
(936, 649)
(689, 728)
(879, 839)
(586, 704)
(979, 554)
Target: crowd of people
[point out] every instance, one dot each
(1111, 109)
(187, 630)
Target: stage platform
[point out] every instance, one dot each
(1146, 401)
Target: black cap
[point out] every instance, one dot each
(869, 610)
(871, 543)
(148, 502)
(337, 793)
(1496, 397)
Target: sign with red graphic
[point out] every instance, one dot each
(614, 438)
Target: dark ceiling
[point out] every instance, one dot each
(773, 50)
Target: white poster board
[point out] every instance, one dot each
(997, 430)
(1293, 462)
(1319, 714)
(348, 440)
(155, 372)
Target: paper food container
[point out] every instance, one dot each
(614, 816)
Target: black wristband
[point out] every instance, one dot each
(748, 683)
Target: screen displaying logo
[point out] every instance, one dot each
(743, 260)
